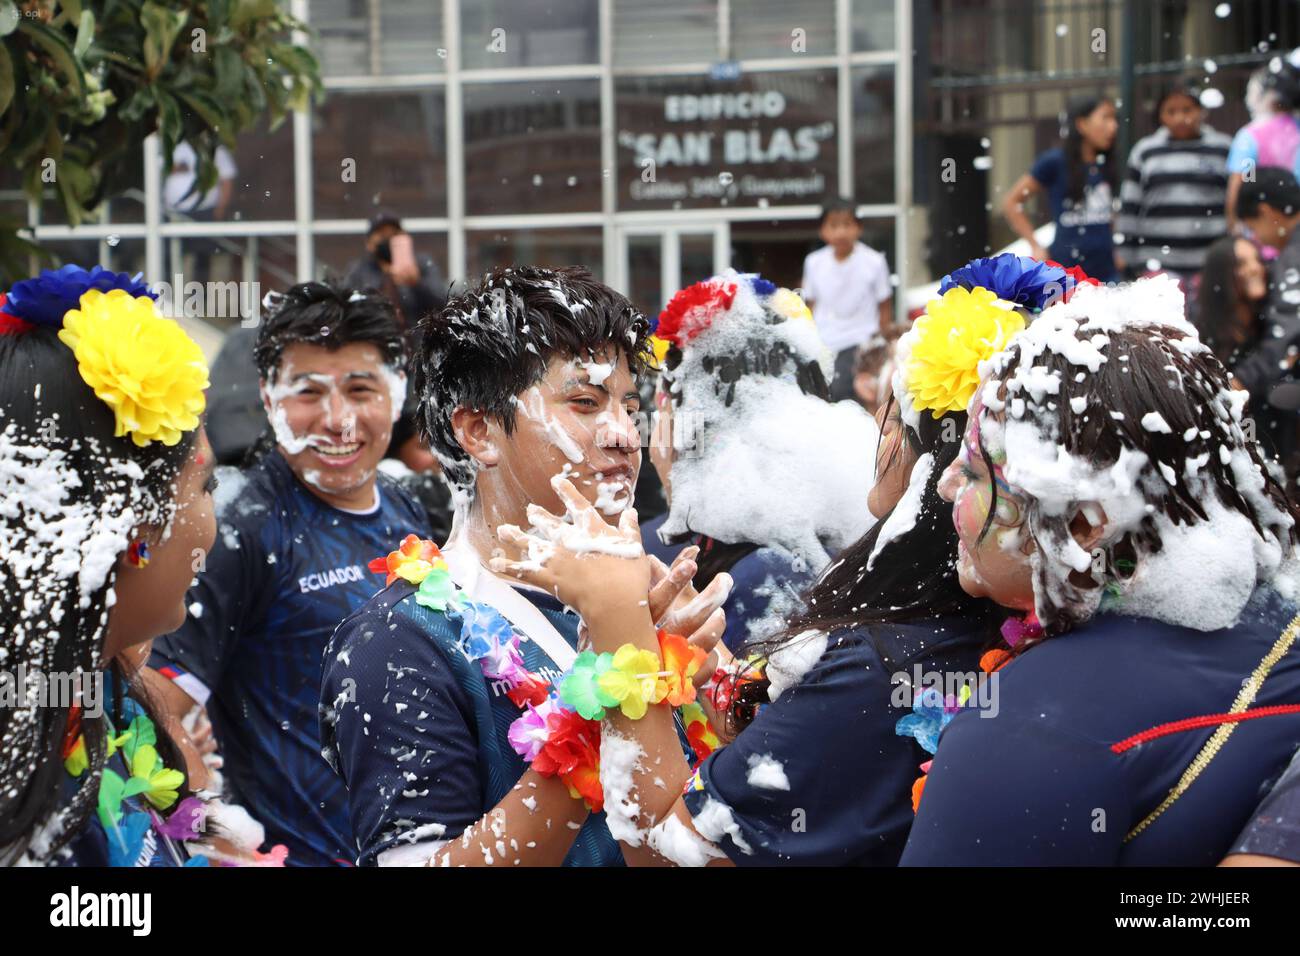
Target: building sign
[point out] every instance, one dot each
(694, 142)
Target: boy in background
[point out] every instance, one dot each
(847, 285)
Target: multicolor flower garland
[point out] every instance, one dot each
(558, 734)
(147, 777)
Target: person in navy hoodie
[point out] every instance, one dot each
(289, 563)
(1108, 491)
(530, 376)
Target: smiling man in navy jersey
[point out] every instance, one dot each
(530, 376)
(295, 534)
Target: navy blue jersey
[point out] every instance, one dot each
(838, 781)
(286, 568)
(766, 585)
(1275, 828)
(418, 734)
(1040, 785)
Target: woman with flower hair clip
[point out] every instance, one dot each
(105, 481)
(857, 687)
(1108, 491)
(742, 360)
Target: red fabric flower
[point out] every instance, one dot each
(11, 323)
(574, 742)
(532, 690)
(584, 782)
(1078, 275)
(692, 309)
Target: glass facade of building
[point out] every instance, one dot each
(659, 142)
(655, 143)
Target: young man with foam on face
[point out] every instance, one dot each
(289, 562)
(529, 377)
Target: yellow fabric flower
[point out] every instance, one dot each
(143, 365)
(956, 333)
(658, 350)
(633, 680)
(787, 303)
(160, 786)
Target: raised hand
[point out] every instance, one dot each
(592, 566)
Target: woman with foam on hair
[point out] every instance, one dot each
(835, 718)
(1107, 491)
(764, 475)
(105, 504)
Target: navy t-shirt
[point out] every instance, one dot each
(1083, 228)
(766, 584)
(285, 569)
(418, 734)
(1275, 828)
(848, 775)
(1039, 784)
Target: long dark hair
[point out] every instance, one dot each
(1076, 169)
(1133, 382)
(914, 578)
(1214, 309)
(72, 495)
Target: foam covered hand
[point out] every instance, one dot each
(590, 565)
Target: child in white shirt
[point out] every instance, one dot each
(847, 285)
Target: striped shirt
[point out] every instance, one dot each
(1172, 200)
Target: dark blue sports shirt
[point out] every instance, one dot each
(843, 795)
(1041, 785)
(285, 569)
(418, 734)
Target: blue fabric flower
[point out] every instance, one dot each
(46, 299)
(761, 286)
(482, 628)
(1017, 279)
(930, 714)
(126, 843)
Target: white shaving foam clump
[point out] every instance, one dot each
(776, 467)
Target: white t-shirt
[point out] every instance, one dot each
(181, 176)
(846, 295)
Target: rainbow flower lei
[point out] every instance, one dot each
(147, 777)
(558, 733)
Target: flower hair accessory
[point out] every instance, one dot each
(939, 356)
(1020, 280)
(693, 309)
(141, 364)
(46, 299)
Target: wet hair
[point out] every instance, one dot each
(1272, 185)
(490, 344)
(914, 577)
(1214, 310)
(331, 316)
(1076, 170)
(839, 204)
(1133, 382)
(56, 617)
